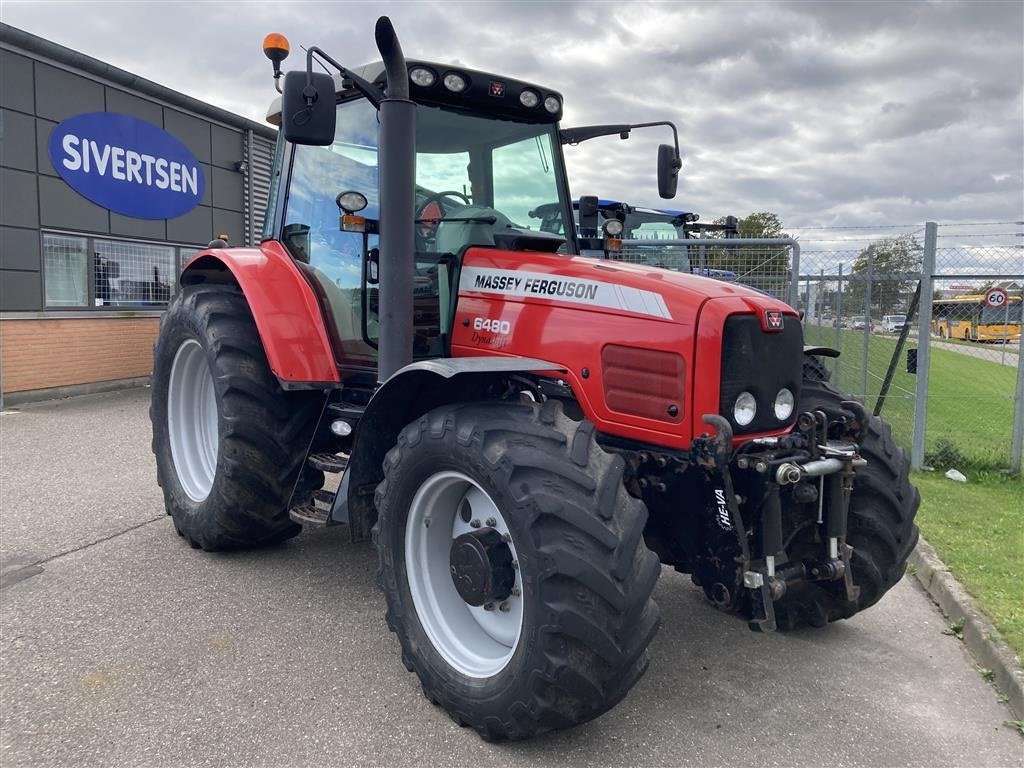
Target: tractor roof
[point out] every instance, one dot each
(484, 93)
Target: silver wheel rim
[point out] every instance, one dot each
(192, 420)
(477, 642)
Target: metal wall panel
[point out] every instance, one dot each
(231, 223)
(228, 148)
(16, 82)
(17, 141)
(60, 94)
(227, 190)
(19, 249)
(126, 104)
(18, 206)
(61, 207)
(20, 291)
(196, 226)
(190, 131)
(148, 229)
(43, 130)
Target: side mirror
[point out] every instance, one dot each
(668, 171)
(588, 216)
(307, 111)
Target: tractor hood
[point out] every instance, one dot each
(602, 285)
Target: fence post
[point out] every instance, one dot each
(794, 249)
(839, 327)
(1018, 413)
(924, 330)
(867, 324)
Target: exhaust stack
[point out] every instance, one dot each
(397, 154)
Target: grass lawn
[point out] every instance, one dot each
(970, 400)
(977, 528)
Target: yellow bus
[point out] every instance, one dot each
(967, 317)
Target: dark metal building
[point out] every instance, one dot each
(81, 286)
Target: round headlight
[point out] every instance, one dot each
(745, 409)
(455, 82)
(529, 99)
(552, 105)
(422, 77)
(351, 202)
(784, 402)
(613, 227)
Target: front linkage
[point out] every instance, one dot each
(818, 460)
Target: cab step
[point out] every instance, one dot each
(328, 462)
(310, 515)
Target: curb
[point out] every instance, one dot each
(24, 397)
(979, 635)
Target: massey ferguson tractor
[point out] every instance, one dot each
(525, 434)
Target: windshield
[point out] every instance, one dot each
(477, 176)
(1009, 313)
(474, 176)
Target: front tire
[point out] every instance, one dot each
(579, 629)
(228, 441)
(880, 525)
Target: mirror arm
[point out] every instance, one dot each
(675, 137)
(372, 93)
(583, 133)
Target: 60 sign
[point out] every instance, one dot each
(996, 298)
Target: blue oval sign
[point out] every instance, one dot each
(127, 165)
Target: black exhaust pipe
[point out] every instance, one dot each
(397, 161)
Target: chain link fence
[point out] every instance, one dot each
(906, 307)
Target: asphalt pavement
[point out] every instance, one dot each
(120, 645)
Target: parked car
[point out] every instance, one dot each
(859, 323)
(893, 323)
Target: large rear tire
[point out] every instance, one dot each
(880, 526)
(228, 441)
(575, 637)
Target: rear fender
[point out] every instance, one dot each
(408, 394)
(287, 313)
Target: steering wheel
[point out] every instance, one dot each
(429, 214)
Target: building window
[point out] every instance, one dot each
(133, 274)
(185, 256)
(66, 271)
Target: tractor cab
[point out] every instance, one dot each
(487, 154)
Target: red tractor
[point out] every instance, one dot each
(527, 435)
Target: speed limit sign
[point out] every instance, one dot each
(996, 297)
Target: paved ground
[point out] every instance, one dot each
(991, 352)
(125, 647)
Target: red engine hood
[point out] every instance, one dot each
(601, 285)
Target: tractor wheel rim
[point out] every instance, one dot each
(475, 641)
(192, 420)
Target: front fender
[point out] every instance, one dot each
(408, 394)
(287, 313)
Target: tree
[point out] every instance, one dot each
(765, 267)
(892, 259)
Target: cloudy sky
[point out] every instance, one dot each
(831, 113)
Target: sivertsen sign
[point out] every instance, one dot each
(127, 165)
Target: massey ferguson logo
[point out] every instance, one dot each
(773, 319)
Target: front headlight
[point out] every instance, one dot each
(745, 409)
(784, 402)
